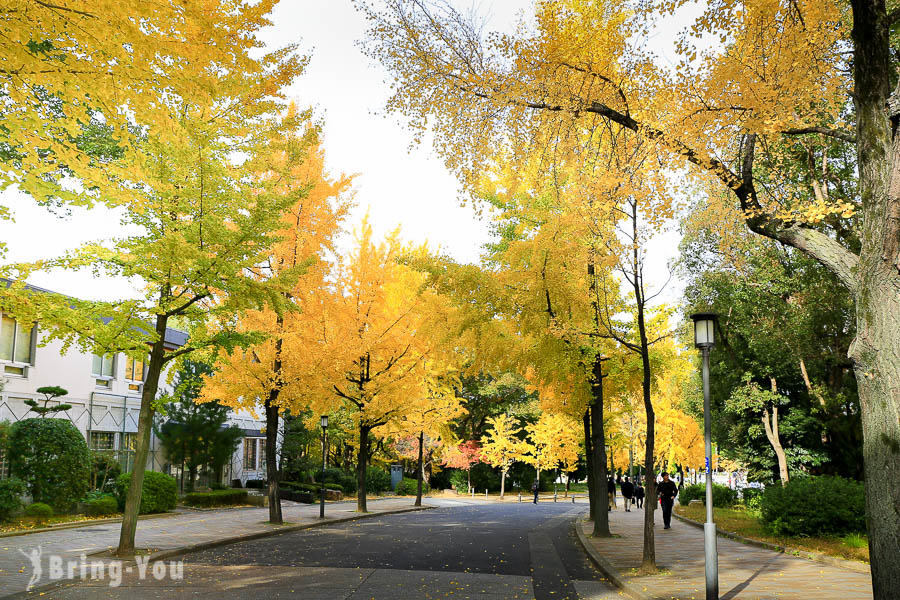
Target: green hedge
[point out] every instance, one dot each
(377, 480)
(409, 487)
(105, 505)
(11, 491)
(216, 498)
(814, 506)
(723, 496)
(159, 492)
(310, 487)
(52, 458)
(40, 511)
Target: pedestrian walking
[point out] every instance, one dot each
(667, 492)
(535, 487)
(627, 492)
(639, 495)
(611, 490)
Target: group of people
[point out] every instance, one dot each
(633, 493)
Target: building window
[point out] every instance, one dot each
(250, 454)
(103, 440)
(129, 441)
(262, 454)
(103, 370)
(134, 369)
(16, 346)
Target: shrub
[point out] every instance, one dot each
(104, 505)
(11, 491)
(377, 480)
(218, 486)
(216, 498)
(409, 487)
(159, 492)
(484, 477)
(460, 481)
(695, 491)
(812, 506)
(752, 498)
(105, 469)
(39, 511)
(723, 496)
(348, 482)
(256, 484)
(52, 458)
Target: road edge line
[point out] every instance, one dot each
(605, 567)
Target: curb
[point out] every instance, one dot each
(173, 552)
(606, 568)
(850, 565)
(91, 523)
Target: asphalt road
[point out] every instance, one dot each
(459, 550)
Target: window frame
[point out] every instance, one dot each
(12, 363)
(102, 381)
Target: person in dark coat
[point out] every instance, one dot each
(535, 487)
(639, 495)
(627, 492)
(611, 490)
(667, 492)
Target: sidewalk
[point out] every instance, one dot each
(745, 572)
(169, 534)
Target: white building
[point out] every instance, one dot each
(105, 395)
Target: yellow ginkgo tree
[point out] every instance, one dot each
(501, 446)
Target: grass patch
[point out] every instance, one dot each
(28, 523)
(747, 524)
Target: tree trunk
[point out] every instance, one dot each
(502, 482)
(598, 447)
(361, 462)
(775, 441)
(648, 560)
(420, 470)
(192, 477)
(142, 446)
(271, 406)
(589, 459)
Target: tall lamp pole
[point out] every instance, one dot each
(704, 338)
(324, 422)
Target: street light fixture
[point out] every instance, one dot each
(705, 339)
(324, 423)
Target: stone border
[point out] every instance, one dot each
(606, 567)
(88, 523)
(842, 563)
(173, 552)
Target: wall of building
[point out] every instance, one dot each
(105, 414)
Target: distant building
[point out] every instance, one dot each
(105, 395)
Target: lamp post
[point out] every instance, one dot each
(705, 339)
(324, 422)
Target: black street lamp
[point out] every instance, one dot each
(705, 339)
(324, 423)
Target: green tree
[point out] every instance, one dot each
(50, 392)
(52, 458)
(195, 434)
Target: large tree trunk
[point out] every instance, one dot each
(589, 459)
(362, 460)
(876, 349)
(598, 445)
(142, 447)
(502, 482)
(420, 470)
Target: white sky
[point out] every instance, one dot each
(396, 184)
